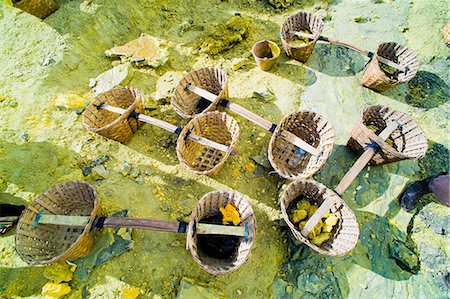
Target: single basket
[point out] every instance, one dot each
(187, 104)
(209, 206)
(216, 126)
(110, 124)
(38, 8)
(344, 235)
(297, 22)
(48, 243)
(409, 140)
(375, 78)
(285, 157)
(266, 53)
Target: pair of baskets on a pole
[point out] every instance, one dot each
(404, 62)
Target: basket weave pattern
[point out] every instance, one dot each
(209, 206)
(38, 8)
(410, 142)
(345, 234)
(374, 78)
(213, 80)
(216, 126)
(110, 124)
(48, 243)
(297, 22)
(313, 129)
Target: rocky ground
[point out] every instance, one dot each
(50, 69)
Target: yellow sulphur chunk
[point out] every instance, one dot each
(312, 210)
(230, 214)
(332, 220)
(55, 290)
(130, 293)
(320, 239)
(327, 228)
(301, 225)
(299, 215)
(327, 214)
(316, 230)
(303, 205)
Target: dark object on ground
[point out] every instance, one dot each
(439, 185)
(9, 215)
(220, 247)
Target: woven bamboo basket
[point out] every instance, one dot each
(266, 53)
(344, 235)
(375, 78)
(409, 140)
(209, 206)
(49, 243)
(38, 8)
(297, 22)
(112, 125)
(187, 103)
(216, 126)
(312, 128)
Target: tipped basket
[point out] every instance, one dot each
(377, 79)
(112, 125)
(209, 206)
(345, 233)
(408, 141)
(313, 129)
(298, 22)
(188, 104)
(201, 159)
(38, 8)
(48, 243)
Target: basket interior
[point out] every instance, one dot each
(301, 21)
(48, 241)
(402, 56)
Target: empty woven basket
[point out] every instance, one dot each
(344, 235)
(48, 243)
(313, 129)
(187, 104)
(409, 140)
(375, 78)
(209, 206)
(110, 124)
(38, 8)
(297, 22)
(216, 126)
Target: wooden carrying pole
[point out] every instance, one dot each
(169, 127)
(350, 46)
(347, 180)
(265, 124)
(142, 223)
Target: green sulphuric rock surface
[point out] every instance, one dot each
(42, 145)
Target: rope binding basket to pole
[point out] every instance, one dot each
(210, 136)
(58, 226)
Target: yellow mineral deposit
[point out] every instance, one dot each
(59, 272)
(230, 215)
(130, 293)
(71, 101)
(144, 50)
(53, 290)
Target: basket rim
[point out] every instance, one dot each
(137, 98)
(311, 43)
(85, 232)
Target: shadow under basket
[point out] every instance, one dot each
(298, 22)
(209, 206)
(201, 159)
(344, 235)
(377, 79)
(38, 8)
(285, 157)
(48, 243)
(408, 141)
(188, 104)
(112, 125)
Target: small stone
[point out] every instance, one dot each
(239, 292)
(24, 136)
(139, 180)
(13, 104)
(289, 289)
(71, 101)
(86, 170)
(55, 290)
(99, 172)
(125, 168)
(134, 171)
(149, 171)
(121, 74)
